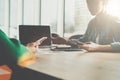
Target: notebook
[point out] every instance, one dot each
(31, 33)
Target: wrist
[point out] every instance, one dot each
(104, 48)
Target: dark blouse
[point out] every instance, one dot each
(10, 49)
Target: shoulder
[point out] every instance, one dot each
(92, 23)
(93, 20)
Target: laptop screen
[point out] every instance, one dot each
(31, 33)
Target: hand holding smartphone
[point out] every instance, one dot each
(80, 43)
(33, 47)
(39, 41)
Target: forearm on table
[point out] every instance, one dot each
(104, 48)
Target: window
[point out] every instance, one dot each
(49, 11)
(31, 12)
(113, 8)
(4, 15)
(77, 17)
(2, 9)
(66, 17)
(13, 18)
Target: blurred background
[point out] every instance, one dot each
(65, 17)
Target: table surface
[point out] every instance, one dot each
(77, 65)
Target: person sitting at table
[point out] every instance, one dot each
(103, 32)
(15, 55)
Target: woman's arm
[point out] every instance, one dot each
(13, 52)
(95, 47)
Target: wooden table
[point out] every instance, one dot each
(78, 65)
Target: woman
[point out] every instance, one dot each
(15, 55)
(103, 32)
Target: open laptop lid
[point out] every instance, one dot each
(31, 33)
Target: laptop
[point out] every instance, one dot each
(31, 33)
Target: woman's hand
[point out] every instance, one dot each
(33, 47)
(29, 57)
(95, 47)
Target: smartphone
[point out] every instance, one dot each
(41, 39)
(76, 42)
(80, 43)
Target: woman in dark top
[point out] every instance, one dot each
(16, 55)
